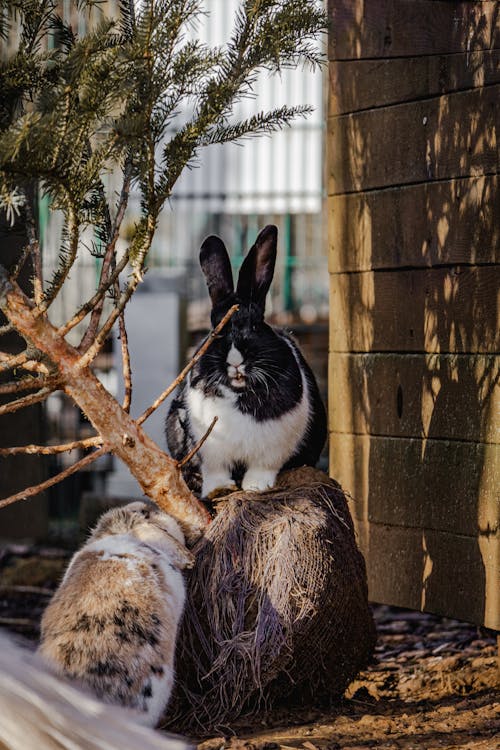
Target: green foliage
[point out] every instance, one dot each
(74, 107)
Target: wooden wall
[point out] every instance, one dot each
(414, 236)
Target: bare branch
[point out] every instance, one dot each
(36, 257)
(121, 303)
(17, 622)
(28, 383)
(198, 445)
(52, 450)
(9, 361)
(109, 257)
(156, 472)
(89, 335)
(22, 403)
(33, 365)
(36, 489)
(19, 589)
(88, 306)
(19, 265)
(127, 370)
(201, 351)
(27, 360)
(103, 334)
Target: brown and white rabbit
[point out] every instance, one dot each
(112, 623)
(253, 378)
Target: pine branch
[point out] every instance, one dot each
(107, 264)
(67, 256)
(266, 35)
(259, 124)
(118, 92)
(71, 114)
(127, 18)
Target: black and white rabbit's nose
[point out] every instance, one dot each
(235, 367)
(234, 357)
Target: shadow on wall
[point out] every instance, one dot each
(433, 322)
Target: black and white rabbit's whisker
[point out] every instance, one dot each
(270, 368)
(265, 378)
(214, 381)
(261, 378)
(265, 384)
(266, 363)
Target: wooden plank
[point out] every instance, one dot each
(448, 574)
(415, 331)
(433, 139)
(398, 28)
(357, 85)
(442, 485)
(419, 225)
(438, 310)
(452, 397)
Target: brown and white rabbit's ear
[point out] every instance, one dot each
(216, 266)
(257, 269)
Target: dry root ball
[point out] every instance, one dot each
(277, 609)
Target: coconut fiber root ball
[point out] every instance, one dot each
(277, 606)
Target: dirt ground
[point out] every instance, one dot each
(433, 684)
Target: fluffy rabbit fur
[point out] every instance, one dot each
(253, 378)
(42, 711)
(112, 623)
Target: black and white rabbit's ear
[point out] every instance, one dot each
(257, 269)
(216, 266)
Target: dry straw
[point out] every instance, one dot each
(277, 608)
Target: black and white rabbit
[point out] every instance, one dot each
(253, 378)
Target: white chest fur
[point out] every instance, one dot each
(263, 446)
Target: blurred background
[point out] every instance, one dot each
(233, 191)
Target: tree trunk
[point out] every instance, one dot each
(155, 471)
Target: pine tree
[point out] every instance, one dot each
(73, 108)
